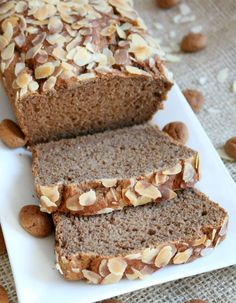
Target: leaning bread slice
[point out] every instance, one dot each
(135, 242)
(99, 173)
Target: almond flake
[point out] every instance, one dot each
(8, 31)
(19, 67)
(136, 71)
(223, 75)
(146, 189)
(50, 83)
(164, 256)
(3, 42)
(121, 33)
(86, 76)
(109, 182)
(20, 40)
(91, 276)
(111, 278)
(59, 53)
(33, 51)
(116, 266)
(82, 56)
(149, 255)
(21, 6)
(5, 7)
(88, 198)
(51, 192)
(122, 4)
(23, 79)
(33, 86)
(173, 170)
(44, 71)
(45, 12)
(183, 257)
(8, 52)
(55, 25)
(108, 31)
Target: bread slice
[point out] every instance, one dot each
(138, 241)
(99, 173)
(82, 67)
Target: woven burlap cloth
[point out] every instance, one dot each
(218, 117)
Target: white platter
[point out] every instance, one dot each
(32, 259)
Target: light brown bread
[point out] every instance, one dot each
(79, 68)
(107, 171)
(138, 241)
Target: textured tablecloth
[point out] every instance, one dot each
(218, 117)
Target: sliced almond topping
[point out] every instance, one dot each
(109, 182)
(206, 251)
(117, 266)
(45, 12)
(86, 76)
(5, 7)
(173, 170)
(59, 53)
(213, 234)
(146, 189)
(135, 275)
(88, 198)
(189, 172)
(55, 25)
(33, 86)
(72, 203)
(164, 256)
(46, 204)
(143, 200)
(3, 42)
(135, 256)
(183, 257)
(122, 4)
(121, 33)
(32, 52)
(106, 210)
(136, 71)
(8, 52)
(208, 243)
(23, 79)
(199, 241)
(91, 276)
(160, 178)
(21, 6)
(49, 83)
(111, 278)
(51, 192)
(149, 255)
(8, 27)
(224, 226)
(44, 71)
(82, 56)
(103, 270)
(131, 197)
(19, 67)
(108, 31)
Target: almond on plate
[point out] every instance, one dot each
(178, 131)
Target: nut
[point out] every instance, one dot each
(230, 147)
(149, 254)
(109, 182)
(164, 256)
(173, 170)
(199, 241)
(178, 131)
(146, 189)
(188, 173)
(111, 278)
(135, 256)
(3, 295)
(167, 3)
(183, 257)
(135, 275)
(44, 71)
(131, 197)
(193, 42)
(72, 203)
(160, 178)
(224, 226)
(51, 192)
(195, 99)
(88, 198)
(2, 243)
(206, 251)
(116, 266)
(46, 205)
(103, 269)
(11, 134)
(35, 222)
(91, 276)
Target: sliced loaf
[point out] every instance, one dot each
(99, 173)
(138, 241)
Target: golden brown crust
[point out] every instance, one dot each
(103, 196)
(110, 269)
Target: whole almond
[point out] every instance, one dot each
(35, 222)
(167, 3)
(2, 243)
(3, 295)
(178, 131)
(193, 42)
(196, 301)
(11, 134)
(195, 99)
(230, 147)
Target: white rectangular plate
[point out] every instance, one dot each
(32, 259)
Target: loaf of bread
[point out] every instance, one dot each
(99, 173)
(77, 67)
(137, 241)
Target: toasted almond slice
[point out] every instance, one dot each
(199, 241)
(183, 257)
(82, 56)
(117, 266)
(164, 256)
(173, 170)
(23, 79)
(51, 192)
(224, 226)
(91, 276)
(44, 71)
(72, 203)
(8, 52)
(131, 197)
(136, 71)
(146, 189)
(135, 256)
(46, 204)
(3, 42)
(189, 172)
(149, 255)
(88, 198)
(111, 278)
(109, 182)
